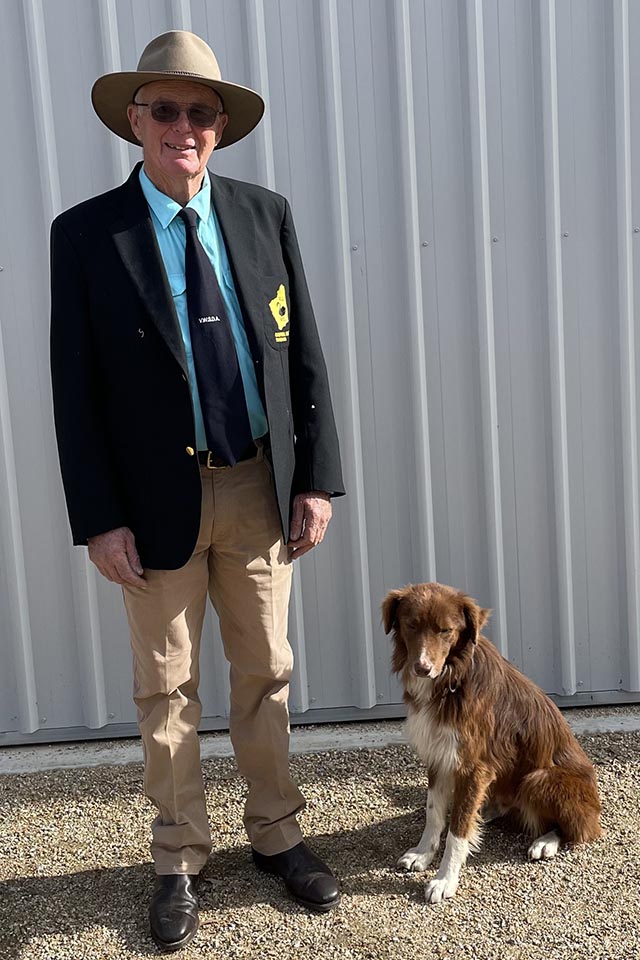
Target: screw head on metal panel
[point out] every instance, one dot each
(1, 269)
(43, 719)
(111, 716)
(354, 246)
(566, 233)
(425, 243)
(494, 239)
(635, 230)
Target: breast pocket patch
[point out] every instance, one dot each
(280, 313)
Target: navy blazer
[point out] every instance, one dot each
(122, 404)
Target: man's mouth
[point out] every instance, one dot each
(179, 147)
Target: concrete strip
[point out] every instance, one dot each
(317, 739)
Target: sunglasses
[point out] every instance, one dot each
(165, 111)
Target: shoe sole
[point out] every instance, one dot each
(177, 944)
(315, 907)
(310, 905)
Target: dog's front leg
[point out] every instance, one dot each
(468, 796)
(438, 800)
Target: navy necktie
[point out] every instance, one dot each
(222, 398)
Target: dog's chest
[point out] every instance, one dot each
(435, 743)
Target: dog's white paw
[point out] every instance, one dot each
(545, 847)
(415, 860)
(440, 888)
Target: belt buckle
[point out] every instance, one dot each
(213, 466)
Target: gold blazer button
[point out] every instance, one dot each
(190, 451)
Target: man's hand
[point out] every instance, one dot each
(309, 519)
(114, 554)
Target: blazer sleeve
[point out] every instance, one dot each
(93, 500)
(317, 453)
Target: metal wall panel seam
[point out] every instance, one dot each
(260, 61)
(266, 165)
(112, 63)
(628, 380)
(42, 108)
(180, 14)
(83, 576)
(357, 519)
(551, 146)
(426, 525)
(484, 282)
(19, 620)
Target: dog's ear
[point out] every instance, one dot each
(475, 618)
(390, 609)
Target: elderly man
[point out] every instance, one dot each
(197, 446)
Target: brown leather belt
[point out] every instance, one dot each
(211, 460)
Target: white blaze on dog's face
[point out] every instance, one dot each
(429, 620)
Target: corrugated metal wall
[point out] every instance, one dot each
(465, 181)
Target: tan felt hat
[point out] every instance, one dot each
(174, 56)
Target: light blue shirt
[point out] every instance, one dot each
(170, 231)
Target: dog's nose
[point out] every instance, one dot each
(422, 668)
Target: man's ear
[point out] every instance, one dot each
(134, 123)
(390, 609)
(475, 618)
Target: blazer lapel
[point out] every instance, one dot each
(237, 224)
(136, 242)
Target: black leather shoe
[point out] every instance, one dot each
(306, 877)
(173, 911)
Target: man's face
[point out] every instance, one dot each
(177, 150)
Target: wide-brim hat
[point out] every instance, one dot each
(177, 55)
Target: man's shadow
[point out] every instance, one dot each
(116, 898)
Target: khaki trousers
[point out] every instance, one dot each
(241, 561)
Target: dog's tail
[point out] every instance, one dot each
(563, 798)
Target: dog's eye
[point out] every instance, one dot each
(444, 631)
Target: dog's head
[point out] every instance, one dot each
(431, 624)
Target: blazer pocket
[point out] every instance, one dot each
(275, 312)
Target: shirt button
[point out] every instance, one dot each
(190, 451)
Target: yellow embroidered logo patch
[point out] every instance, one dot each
(280, 313)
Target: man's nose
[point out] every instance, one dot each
(182, 123)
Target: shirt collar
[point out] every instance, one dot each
(167, 209)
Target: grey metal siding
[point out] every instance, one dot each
(464, 178)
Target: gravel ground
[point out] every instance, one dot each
(75, 876)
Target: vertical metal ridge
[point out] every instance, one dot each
(266, 164)
(83, 576)
(180, 12)
(85, 595)
(110, 39)
(425, 525)
(628, 379)
(260, 65)
(19, 620)
(484, 282)
(43, 108)
(338, 174)
(555, 306)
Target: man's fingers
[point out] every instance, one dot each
(116, 557)
(296, 550)
(125, 573)
(297, 518)
(132, 554)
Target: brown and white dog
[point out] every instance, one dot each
(492, 741)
